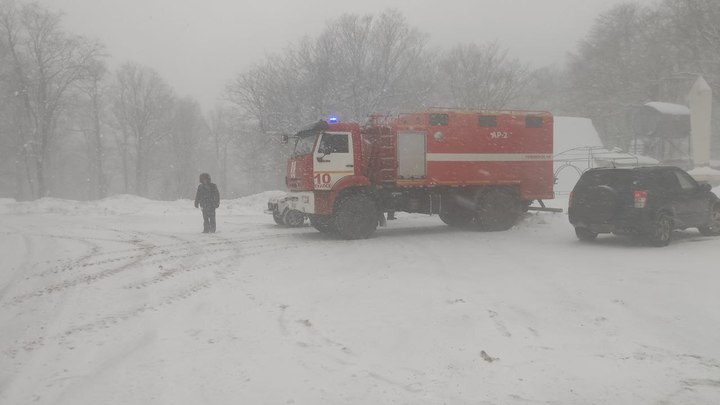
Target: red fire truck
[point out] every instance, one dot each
(473, 168)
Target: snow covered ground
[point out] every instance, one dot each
(124, 301)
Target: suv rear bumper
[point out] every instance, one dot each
(632, 220)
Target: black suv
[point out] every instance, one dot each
(644, 201)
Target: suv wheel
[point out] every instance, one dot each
(585, 234)
(660, 231)
(713, 228)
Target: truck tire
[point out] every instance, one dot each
(457, 217)
(659, 233)
(457, 209)
(294, 218)
(497, 210)
(323, 223)
(713, 227)
(356, 217)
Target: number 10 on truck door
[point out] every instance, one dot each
(322, 180)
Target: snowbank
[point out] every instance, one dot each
(669, 108)
(251, 204)
(5, 203)
(704, 171)
(129, 204)
(706, 174)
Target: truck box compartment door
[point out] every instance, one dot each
(411, 148)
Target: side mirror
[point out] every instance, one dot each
(284, 139)
(705, 187)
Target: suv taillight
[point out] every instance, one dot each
(572, 196)
(640, 199)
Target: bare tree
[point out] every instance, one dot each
(623, 62)
(13, 160)
(482, 76)
(46, 63)
(695, 28)
(359, 65)
(93, 108)
(223, 129)
(187, 130)
(142, 101)
(370, 64)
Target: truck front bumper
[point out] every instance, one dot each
(303, 201)
(273, 206)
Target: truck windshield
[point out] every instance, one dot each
(304, 145)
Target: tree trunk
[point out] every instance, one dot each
(40, 176)
(223, 169)
(126, 185)
(101, 190)
(139, 173)
(19, 180)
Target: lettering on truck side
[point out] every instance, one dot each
(499, 135)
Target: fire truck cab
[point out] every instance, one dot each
(472, 168)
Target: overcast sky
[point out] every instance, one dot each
(199, 45)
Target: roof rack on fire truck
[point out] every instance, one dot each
(481, 110)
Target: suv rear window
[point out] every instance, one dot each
(613, 178)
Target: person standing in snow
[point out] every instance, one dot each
(208, 198)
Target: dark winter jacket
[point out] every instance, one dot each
(207, 196)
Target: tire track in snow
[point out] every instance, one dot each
(94, 249)
(29, 252)
(167, 274)
(84, 279)
(84, 262)
(181, 294)
(134, 253)
(131, 238)
(133, 262)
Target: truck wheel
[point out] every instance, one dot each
(660, 232)
(294, 218)
(585, 234)
(498, 211)
(323, 223)
(278, 219)
(356, 217)
(713, 228)
(457, 217)
(457, 209)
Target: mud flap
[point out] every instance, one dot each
(381, 219)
